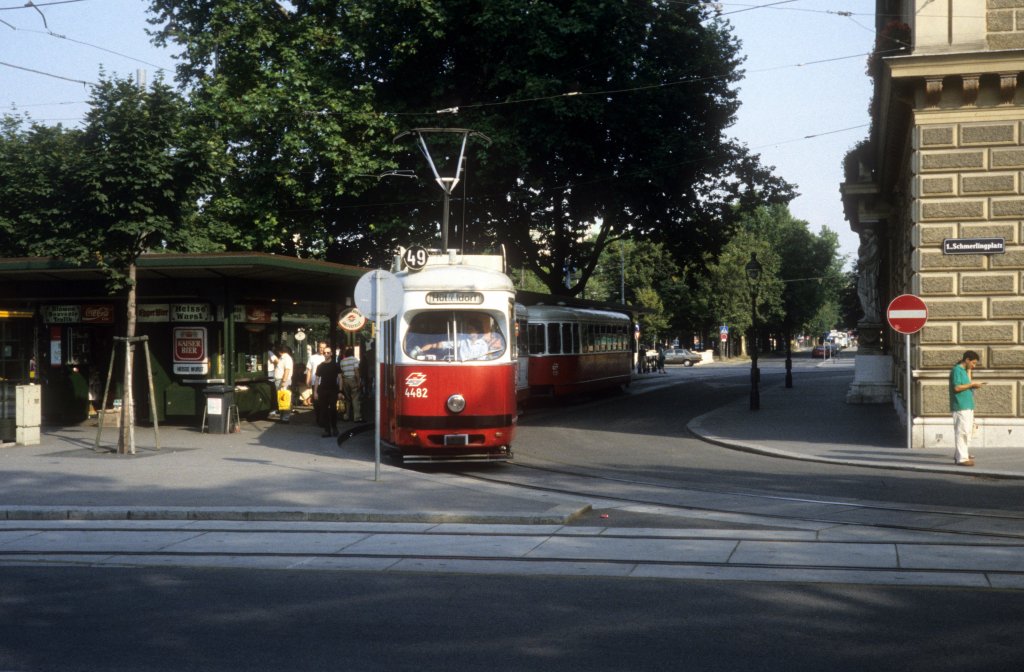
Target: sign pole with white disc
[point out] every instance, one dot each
(907, 314)
(378, 295)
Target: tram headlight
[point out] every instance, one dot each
(456, 403)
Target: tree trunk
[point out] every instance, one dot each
(126, 440)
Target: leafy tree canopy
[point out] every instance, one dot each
(38, 188)
(147, 168)
(802, 276)
(129, 182)
(601, 113)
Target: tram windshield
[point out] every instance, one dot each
(459, 336)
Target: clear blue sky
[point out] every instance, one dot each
(787, 94)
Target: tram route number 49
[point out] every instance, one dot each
(415, 257)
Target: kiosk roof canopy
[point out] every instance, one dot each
(241, 265)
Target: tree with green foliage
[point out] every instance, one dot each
(728, 290)
(289, 92)
(131, 181)
(810, 267)
(802, 276)
(148, 169)
(39, 189)
(604, 115)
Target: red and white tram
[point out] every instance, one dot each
(575, 350)
(448, 362)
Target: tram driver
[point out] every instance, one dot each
(477, 340)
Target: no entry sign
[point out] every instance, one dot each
(907, 314)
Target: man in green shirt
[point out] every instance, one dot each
(961, 402)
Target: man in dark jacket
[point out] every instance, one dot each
(327, 386)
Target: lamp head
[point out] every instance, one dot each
(753, 269)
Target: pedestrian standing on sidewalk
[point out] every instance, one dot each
(315, 360)
(961, 402)
(283, 379)
(350, 385)
(325, 394)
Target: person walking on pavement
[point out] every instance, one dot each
(961, 402)
(661, 358)
(350, 385)
(283, 379)
(325, 393)
(315, 360)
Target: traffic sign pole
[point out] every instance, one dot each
(910, 382)
(378, 295)
(376, 382)
(907, 314)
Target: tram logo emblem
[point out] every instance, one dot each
(415, 379)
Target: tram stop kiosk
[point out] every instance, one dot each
(907, 314)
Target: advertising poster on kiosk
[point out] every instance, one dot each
(190, 351)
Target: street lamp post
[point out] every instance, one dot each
(753, 269)
(789, 358)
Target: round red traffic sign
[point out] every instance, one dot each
(907, 314)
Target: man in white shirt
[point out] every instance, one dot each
(315, 360)
(283, 377)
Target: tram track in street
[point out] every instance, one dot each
(970, 518)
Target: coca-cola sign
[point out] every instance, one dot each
(259, 314)
(254, 314)
(100, 313)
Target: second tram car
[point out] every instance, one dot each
(448, 362)
(575, 350)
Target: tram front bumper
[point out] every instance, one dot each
(456, 444)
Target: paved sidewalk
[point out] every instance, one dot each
(812, 421)
(268, 471)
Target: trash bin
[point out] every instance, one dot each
(220, 399)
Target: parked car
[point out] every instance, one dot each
(682, 356)
(826, 350)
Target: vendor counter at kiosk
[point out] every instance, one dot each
(210, 319)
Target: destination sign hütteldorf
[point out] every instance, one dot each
(974, 246)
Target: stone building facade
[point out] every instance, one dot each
(945, 163)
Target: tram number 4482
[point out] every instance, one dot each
(418, 392)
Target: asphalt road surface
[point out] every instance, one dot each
(74, 619)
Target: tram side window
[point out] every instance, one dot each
(522, 338)
(567, 344)
(462, 335)
(536, 338)
(554, 339)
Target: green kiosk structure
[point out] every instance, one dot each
(210, 320)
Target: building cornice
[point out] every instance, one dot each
(958, 63)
